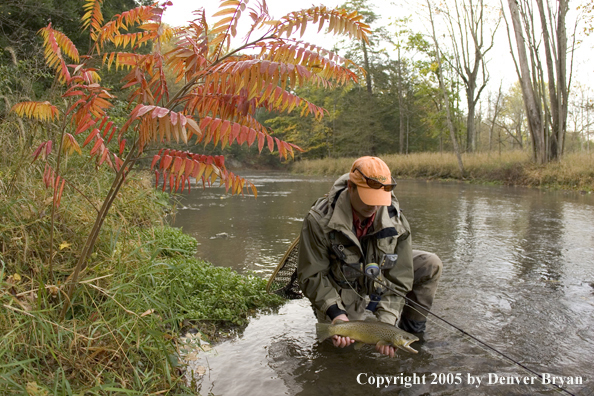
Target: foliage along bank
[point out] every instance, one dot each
(143, 287)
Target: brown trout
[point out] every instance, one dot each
(368, 332)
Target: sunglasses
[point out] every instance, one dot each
(375, 184)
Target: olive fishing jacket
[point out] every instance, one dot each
(331, 257)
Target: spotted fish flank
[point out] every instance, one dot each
(368, 332)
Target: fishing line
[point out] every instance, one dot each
(387, 286)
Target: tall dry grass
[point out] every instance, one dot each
(574, 171)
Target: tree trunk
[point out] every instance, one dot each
(445, 96)
(533, 107)
(400, 105)
(494, 120)
(470, 122)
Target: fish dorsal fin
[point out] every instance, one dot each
(338, 321)
(370, 319)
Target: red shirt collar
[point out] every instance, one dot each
(362, 229)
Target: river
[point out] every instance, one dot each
(518, 274)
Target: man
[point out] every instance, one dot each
(359, 226)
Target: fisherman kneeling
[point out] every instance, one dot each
(358, 228)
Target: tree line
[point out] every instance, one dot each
(430, 88)
(422, 89)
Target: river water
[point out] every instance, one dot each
(518, 274)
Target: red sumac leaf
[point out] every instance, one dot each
(118, 162)
(55, 184)
(155, 159)
(103, 122)
(177, 165)
(103, 156)
(166, 162)
(251, 136)
(93, 133)
(204, 122)
(243, 134)
(107, 128)
(46, 174)
(84, 127)
(173, 118)
(261, 140)
(183, 182)
(189, 166)
(60, 193)
(234, 132)
(97, 145)
(113, 129)
(159, 112)
(215, 124)
(278, 146)
(38, 151)
(122, 145)
(141, 110)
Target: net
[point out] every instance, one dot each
(283, 280)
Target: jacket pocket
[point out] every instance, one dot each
(387, 245)
(349, 268)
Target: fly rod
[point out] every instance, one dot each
(387, 286)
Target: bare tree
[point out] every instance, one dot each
(579, 111)
(445, 93)
(399, 39)
(546, 102)
(496, 111)
(466, 25)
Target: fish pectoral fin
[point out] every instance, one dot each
(382, 343)
(358, 345)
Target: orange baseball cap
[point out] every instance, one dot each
(369, 169)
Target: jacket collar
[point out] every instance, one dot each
(341, 217)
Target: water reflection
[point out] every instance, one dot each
(518, 269)
(258, 230)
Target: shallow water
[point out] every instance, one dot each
(518, 275)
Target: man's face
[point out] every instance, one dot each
(363, 210)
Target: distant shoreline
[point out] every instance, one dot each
(574, 172)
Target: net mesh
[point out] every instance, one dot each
(283, 280)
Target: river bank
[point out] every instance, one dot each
(573, 172)
(143, 288)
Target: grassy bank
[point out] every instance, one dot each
(573, 172)
(141, 289)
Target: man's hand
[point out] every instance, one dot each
(339, 341)
(387, 350)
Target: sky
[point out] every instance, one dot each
(500, 62)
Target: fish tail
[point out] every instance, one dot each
(323, 331)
